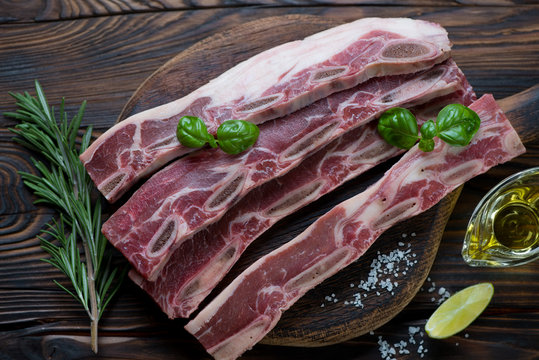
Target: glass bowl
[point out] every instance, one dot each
(504, 227)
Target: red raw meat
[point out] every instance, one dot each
(197, 266)
(198, 189)
(253, 303)
(273, 83)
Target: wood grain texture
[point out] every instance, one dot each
(104, 59)
(51, 10)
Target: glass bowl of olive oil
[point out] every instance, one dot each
(504, 227)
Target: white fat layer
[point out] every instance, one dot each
(251, 77)
(514, 144)
(353, 204)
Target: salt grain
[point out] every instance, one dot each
(385, 349)
(332, 299)
(442, 292)
(401, 345)
(388, 351)
(383, 264)
(389, 264)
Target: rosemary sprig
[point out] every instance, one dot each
(81, 251)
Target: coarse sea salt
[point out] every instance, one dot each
(386, 351)
(386, 264)
(442, 292)
(414, 343)
(395, 263)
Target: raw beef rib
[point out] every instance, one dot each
(198, 265)
(273, 83)
(253, 303)
(198, 189)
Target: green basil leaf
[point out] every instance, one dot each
(426, 145)
(457, 124)
(398, 127)
(428, 130)
(235, 136)
(193, 133)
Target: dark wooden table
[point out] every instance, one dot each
(103, 50)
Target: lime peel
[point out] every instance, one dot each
(459, 311)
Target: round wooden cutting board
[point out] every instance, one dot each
(393, 269)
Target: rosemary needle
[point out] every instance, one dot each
(80, 249)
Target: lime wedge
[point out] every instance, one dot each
(457, 312)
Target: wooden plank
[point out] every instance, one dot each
(50, 10)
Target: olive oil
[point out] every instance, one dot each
(504, 228)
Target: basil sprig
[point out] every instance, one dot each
(233, 136)
(455, 124)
